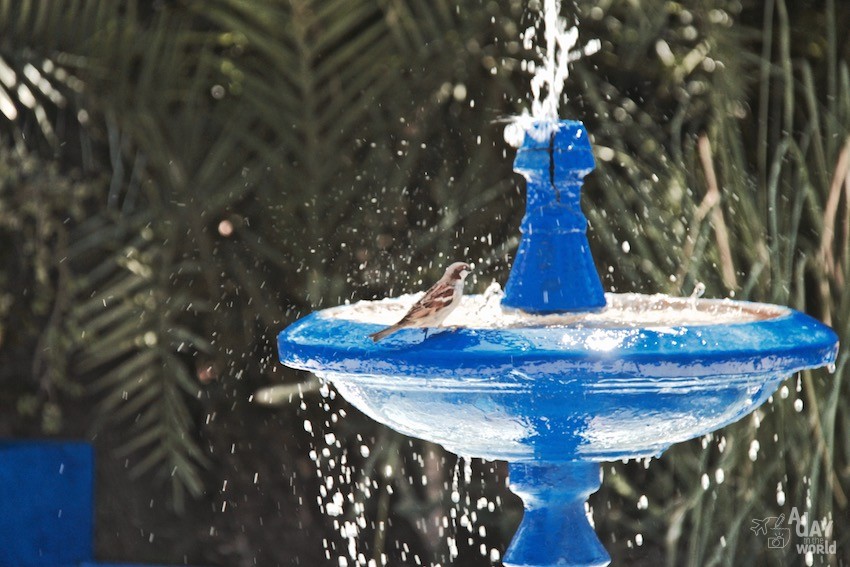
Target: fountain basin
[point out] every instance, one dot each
(591, 387)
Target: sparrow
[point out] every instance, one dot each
(441, 299)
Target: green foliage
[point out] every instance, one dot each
(36, 204)
(250, 159)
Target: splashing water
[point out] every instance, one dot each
(347, 484)
(549, 74)
(623, 310)
(696, 294)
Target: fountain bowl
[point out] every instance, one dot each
(628, 382)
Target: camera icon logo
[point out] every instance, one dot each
(780, 538)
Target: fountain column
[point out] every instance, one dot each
(553, 270)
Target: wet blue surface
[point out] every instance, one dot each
(562, 393)
(553, 270)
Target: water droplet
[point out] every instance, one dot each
(754, 450)
(514, 135)
(459, 92)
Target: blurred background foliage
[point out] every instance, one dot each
(181, 179)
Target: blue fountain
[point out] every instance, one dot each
(560, 376)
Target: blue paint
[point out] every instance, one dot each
(46, 515)
(555, 400)
(47, 505)
(553, 270)
(554, 529)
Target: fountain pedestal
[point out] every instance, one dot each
(555, 528)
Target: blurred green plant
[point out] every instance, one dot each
(36, 204)
(247, 160)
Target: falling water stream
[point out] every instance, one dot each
(346, 487)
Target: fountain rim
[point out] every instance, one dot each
(759, 311)
(784, 344)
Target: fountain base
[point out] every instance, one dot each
(555, 530)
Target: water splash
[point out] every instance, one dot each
(697, 293)
(626, 310)
(549, 73)
(356, 478)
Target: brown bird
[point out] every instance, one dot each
(440, 300)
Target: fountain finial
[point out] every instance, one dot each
(553, 270)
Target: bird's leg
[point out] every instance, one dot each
(426, 332)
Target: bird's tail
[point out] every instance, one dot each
(384, 333)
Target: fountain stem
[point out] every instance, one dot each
(553, 270)
(555, 530)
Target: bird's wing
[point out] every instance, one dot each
(439, 296)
